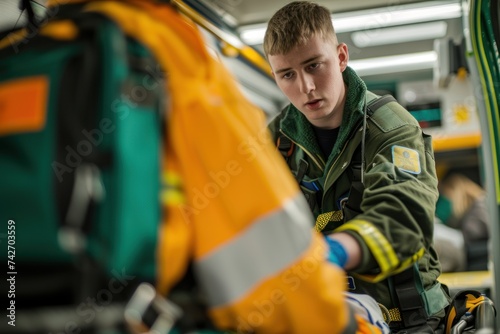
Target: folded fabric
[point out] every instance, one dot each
(366, 307)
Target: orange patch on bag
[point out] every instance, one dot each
(23, 105)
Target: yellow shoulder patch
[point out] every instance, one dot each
(406, 159)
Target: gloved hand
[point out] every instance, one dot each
(337, 253)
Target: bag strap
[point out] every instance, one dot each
(411, 306)
(375, 104)
(285, 146)
(357, 187)
(75, 110)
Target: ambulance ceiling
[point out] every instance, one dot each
(371, 39)
(254, 11)
(372, 29)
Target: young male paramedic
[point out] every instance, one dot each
(231, 217)
(367, 170)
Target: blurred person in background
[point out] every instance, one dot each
(462, 227)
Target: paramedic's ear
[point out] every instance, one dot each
(343, 55)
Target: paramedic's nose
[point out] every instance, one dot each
(306, 84)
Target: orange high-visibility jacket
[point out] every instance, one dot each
(231, 207)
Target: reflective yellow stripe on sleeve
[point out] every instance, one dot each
(270, 244)
(172, 192)
(381, 249)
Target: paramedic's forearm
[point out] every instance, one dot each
(352, 248)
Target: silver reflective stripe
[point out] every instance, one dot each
(268, 246)
(352, 325)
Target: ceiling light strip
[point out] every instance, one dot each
(389, 16)
(373, 19)
(394, 64)
(401, 34)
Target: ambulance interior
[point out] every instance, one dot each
(413, 50)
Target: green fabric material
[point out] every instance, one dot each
(399, 204)
(432, 301)
(298, 128)
(444, 209)
(27, 193)
(123, 229)
(353, 108)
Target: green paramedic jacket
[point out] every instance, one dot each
(395, 228)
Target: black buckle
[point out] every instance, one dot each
(411, 305)
(148, 312)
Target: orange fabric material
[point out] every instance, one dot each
(214, 134)
(13, 38)
(365, 328)
(311, 290)
(63, 30)
(218, 145)
(23, 105)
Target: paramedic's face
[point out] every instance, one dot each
(310, 76)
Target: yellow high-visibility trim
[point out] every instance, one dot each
(377, 243)
(172, 197)
(410, 261)
(171, 179)
(402, 266)
(326, 217)
(172, 192)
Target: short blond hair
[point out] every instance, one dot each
(295, 24)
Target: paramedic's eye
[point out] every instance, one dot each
(287, 75)
(312, 66)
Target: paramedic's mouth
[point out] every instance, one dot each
(313, 104)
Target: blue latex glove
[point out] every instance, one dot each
(337, 253)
